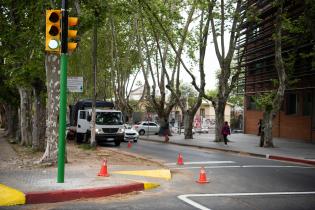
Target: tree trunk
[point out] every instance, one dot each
(42, 124)
(38, 133)
(35, 119)
(219, 120)
(271, 110)
(94, 60)
(11, 120)
(52, 65)
(2, 117)
(267, 120)
(188, 124)
(25, 116)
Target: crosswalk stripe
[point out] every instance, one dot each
(202, 162)
(245, 166)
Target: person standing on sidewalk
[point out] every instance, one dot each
(225, 131)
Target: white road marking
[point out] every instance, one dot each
(201, 162)
(199, 206)
(245, 166)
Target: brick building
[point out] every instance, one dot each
(296, 119)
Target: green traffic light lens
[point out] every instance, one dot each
(53, 44)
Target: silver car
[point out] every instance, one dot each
(130, 133)
(147, 127)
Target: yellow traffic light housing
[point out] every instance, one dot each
(72, 34)
(53, 29)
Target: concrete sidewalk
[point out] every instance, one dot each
(297, 151)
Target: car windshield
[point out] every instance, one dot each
(128, 126)
(109, 118)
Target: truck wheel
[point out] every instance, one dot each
(117, 142)
(142, 132)
(88, 139)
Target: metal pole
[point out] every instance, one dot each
(63, 93)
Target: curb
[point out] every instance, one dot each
(267, 156)
(10, 196)
(291, 159)
(67, 195)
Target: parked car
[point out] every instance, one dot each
(182, 130)
(147, 127)
(202, 130)
(130, 133)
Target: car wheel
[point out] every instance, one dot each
(79, 137)
(142, 132)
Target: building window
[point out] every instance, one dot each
(251, 104)
(202, 113)
(307, 104)
(256, 31)
(291, 102)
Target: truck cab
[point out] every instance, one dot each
(108, 126)
(109, 122)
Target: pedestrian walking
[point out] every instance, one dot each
(225, 131)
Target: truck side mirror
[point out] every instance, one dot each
(89, 118)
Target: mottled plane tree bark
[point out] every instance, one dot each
(52, 66)
(272, 109)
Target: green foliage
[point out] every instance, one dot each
(189, 93)
(22, 41)
(237, 100)
(212, 93)
(264, 101)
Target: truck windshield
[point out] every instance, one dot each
(108, 118)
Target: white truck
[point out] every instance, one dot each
(109, 126)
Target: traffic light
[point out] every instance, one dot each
(72, 34)
(53, 29)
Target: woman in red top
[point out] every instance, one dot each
(225, 131)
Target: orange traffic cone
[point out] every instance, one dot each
(129, 144)
(103, 171)
(202, 176)
(180, 160)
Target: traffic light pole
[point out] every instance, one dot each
(63, 93)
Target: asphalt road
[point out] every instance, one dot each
(235, 182)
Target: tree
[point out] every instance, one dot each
(156, 44)
(226, 16)
(201, 44)
(22, 23)
(286, 31)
